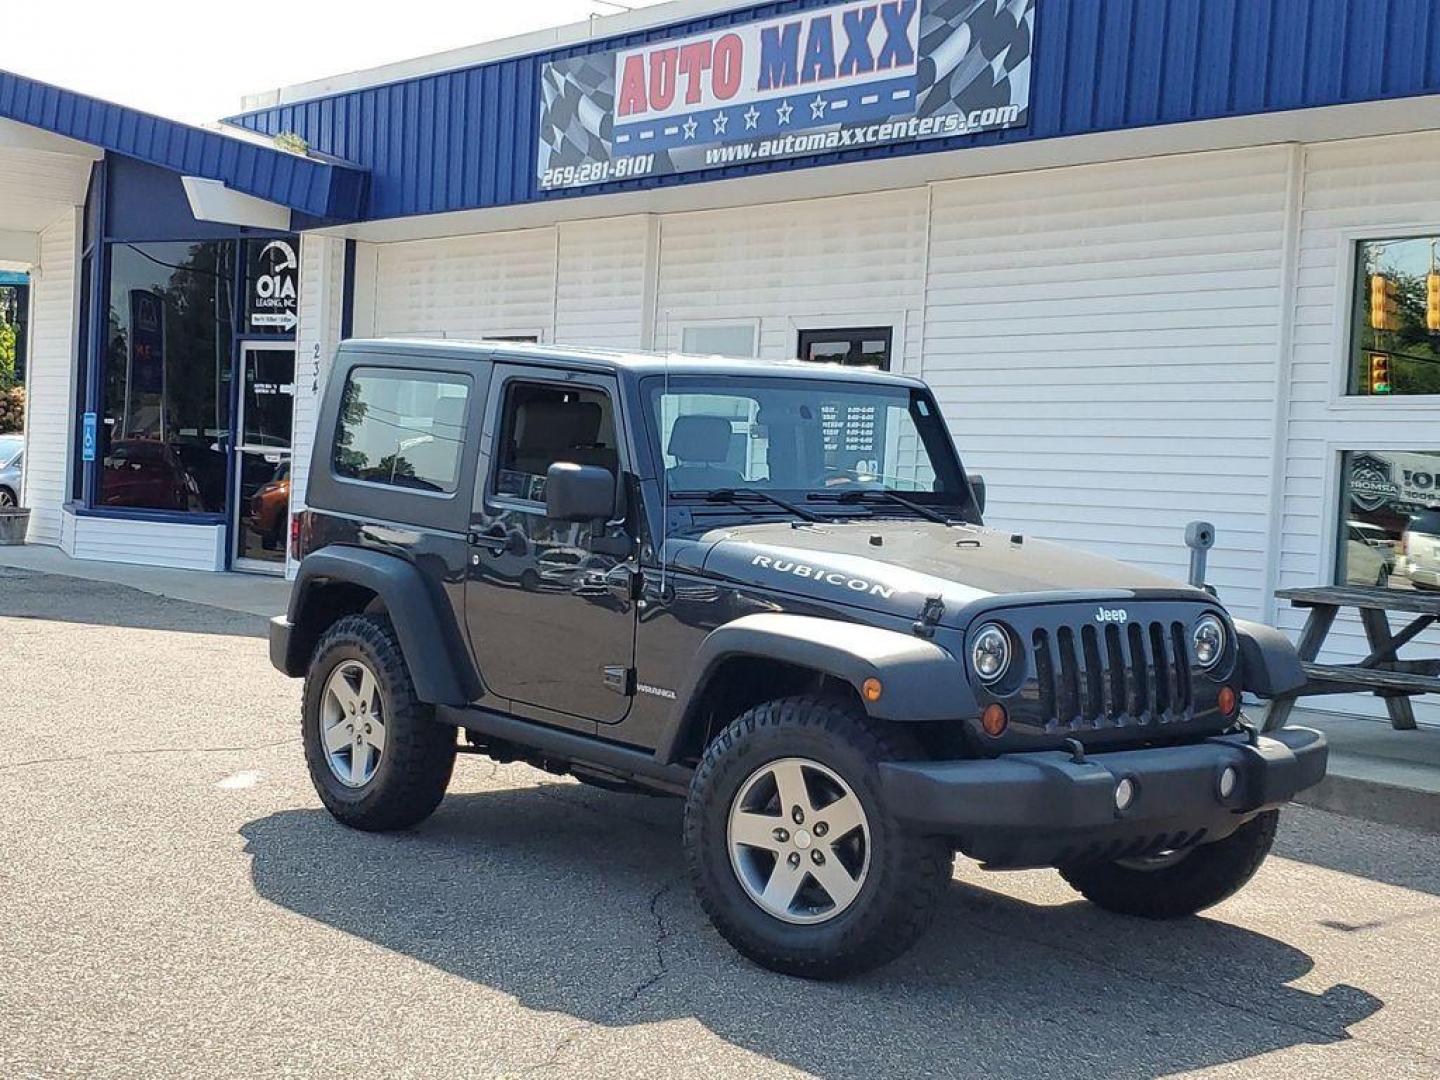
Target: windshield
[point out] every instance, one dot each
(10, 446)
(801, 438)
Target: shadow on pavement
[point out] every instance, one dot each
(25, 594)
(574, 901)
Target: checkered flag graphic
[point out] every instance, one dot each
(976, 55)
(577, 101)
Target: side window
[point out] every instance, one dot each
(404, 429)
(544, 424)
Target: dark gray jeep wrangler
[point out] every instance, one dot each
(764, 588)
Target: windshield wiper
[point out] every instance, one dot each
(740, 496)
(886, 495)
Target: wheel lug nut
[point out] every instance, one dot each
(798, 816)
(794, 859)
(817, 858)
(820, 828)
(781, 835)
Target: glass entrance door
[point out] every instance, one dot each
(262, 456)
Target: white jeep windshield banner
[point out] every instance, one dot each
(840, 76)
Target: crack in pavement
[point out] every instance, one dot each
(1228, 1003)
(576, 1035)
(147, 752)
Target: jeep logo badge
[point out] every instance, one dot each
(1116, 615)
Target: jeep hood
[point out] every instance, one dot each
(842, 562)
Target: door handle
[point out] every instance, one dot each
(495, 539)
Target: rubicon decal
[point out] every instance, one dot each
(842, 74)
(828, 577)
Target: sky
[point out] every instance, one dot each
(193, 60)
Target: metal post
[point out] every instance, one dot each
(1199, 538)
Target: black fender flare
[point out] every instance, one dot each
(423, 619)
(920, 680)
(1269, 665)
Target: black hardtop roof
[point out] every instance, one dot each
(615, 360)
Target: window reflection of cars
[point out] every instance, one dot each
(1420, 550)
(270, 508)
(148, 474)
(11, 460)
(1369, 554)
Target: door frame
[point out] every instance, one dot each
(234, 527)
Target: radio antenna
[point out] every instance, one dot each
(664, 472)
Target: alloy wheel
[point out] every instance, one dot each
(799, 841)
(352, 723)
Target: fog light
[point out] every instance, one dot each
(1229, 701)
(1228, 780)
(872, 689)
(994, 720)
(1124, 794)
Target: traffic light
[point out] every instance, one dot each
(1379, 373)
(1384, 303)
(1432, 302)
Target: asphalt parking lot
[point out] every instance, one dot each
(174, 902)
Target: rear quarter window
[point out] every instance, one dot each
(402, 429)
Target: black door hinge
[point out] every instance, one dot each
(621, 680)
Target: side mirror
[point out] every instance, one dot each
(579, 492)
(977, 492)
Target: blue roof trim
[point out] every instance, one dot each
(329, 190)
(466, 139)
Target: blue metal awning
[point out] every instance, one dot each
(322, 187)
(12, 277)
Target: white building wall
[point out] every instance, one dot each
(495, 284)
(853, 261)
(50, 379)
(1354, 190)
(601, 282)
(1104, 341)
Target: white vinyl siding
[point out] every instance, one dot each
(467, 287)
(1103, 341)
(600, 283)
(50, 379)
(1358, 189)
(823, 263)
(145, 543)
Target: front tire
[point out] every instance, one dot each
(377, 757)
(1174, 888)
(788, 887)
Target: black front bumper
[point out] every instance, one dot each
(1047, 809)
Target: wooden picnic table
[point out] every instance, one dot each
(1381, 673)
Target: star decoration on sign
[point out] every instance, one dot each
(689, 127)
(721, 121)
(817, 108)
(752, 118)
(783, 112)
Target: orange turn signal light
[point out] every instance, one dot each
(871, 689)
(994, 720)
(1229, 701)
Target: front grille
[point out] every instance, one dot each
(1097, 676)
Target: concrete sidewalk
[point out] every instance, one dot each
(254, 594)
(1376, 772)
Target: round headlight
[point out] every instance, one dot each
(1208, 641)
(990, 654)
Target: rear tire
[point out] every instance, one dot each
(374, 788)
(1202, 878)
(826, 926)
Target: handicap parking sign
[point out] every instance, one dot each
(87, 438)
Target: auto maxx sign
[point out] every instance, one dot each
(834, 77)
